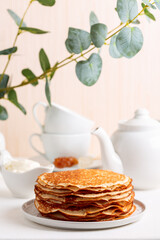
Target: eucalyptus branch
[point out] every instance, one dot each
(105, 39)
(70, 58)
(91, 44)
(128, 23)
(15, 40)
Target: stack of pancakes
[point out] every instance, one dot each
(84, 195)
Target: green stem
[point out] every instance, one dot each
(115, 28)
(67, 58)
(15, 40)
(60, 65)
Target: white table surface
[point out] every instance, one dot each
(13, 224)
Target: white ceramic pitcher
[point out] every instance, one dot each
(3, 152)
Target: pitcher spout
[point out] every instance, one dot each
(110, 159)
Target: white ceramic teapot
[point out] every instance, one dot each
(134, 149)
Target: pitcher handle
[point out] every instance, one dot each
(35, 113)
(34, 148)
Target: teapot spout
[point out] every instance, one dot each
(110, 159)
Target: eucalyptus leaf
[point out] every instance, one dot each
(29, 75)
(3, 113)
(148, 13)
(127, 9)
(3, 84)
(8, 51)
(53, 70)
(44, 61)
(113, 51)
(12, 97)
(129, 41)
(89, 71)
(16, 18)
(93, 18)
(68, 43)
(148, 4)
(152, 6)
(77, 41)
(98, 34)
(157, 2)
(136, 21)
(33, 30)
(48, 3)
(47, 92)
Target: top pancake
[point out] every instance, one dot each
(83, 178)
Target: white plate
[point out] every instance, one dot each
(32, 214)
(42, 160)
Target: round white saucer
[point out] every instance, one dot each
(33, 215)
(43, 161)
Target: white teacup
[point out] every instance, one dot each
(61, 120)
(60, 145)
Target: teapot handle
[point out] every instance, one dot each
(35, 113)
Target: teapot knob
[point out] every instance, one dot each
(141, 113)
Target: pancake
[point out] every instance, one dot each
(42, 206)
(81, 193)
(71, 198)
(84, 195)
(98, 205)
(102, 217)
(84, 178)
(121, 201)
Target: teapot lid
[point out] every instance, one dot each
(140, 121)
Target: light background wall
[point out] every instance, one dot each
(124, 85)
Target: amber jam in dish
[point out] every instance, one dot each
(63, 162)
